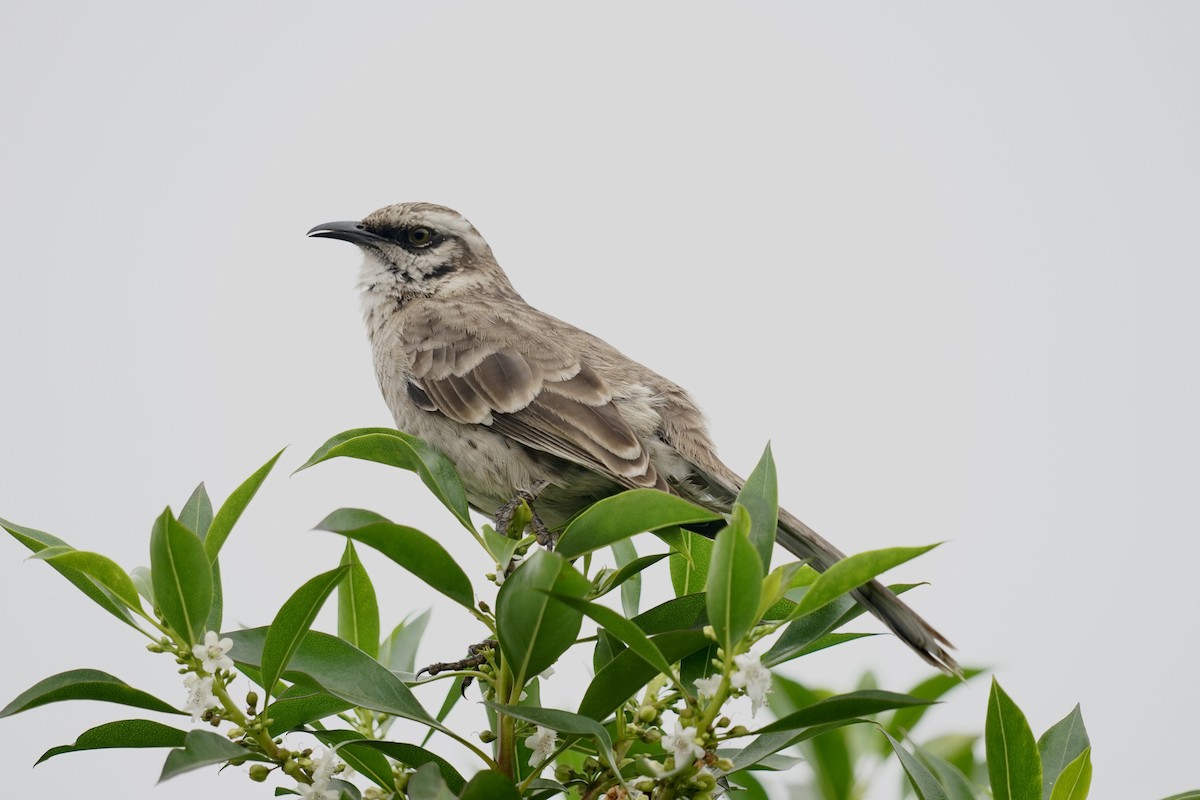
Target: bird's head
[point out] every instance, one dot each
(419, 248)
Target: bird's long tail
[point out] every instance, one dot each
(803, 542)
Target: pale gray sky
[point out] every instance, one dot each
(942, 255)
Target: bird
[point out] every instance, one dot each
(529, 406)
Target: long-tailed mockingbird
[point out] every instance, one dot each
(523, 402)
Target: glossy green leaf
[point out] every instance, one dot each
(102, 569)
(454, 692)
(828, 754)
(843, 706)
(490, 785)
(293, 621)
(805, 630)
(1075, 779)
(299, 705)
(413, 756)
(623, 515)
(1013, 763)
(201, 749)
(533, 628)
(905, 720)
(852, 572)
(735, 580)
(923, 781)
(681, 613)
(428, 784)
(396, 449)
(368, 761)
(565, 723)
(182, 577)
(418, 553)
(231, 510)
(399, 651)
(768, 744)
(1061, 745)
(358, 610)
(956, 785)
(144, 583)
(84, 684)
(628, 571)
(626, 631)
(197, 513)
(337, 667)
(630, 581)
(125, 733)
(500, 547)
(689, 564)
(37, 541)
(628, 672)
(1193, 794)
(760, 497)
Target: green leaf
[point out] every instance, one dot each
(534, 629)
(805, 630)
(760, 498)
(735, 580)
(413, 756)
(843, 706)
(624, 630)
(1193, 794)
(628, 672)
(501, 548)
(905, 720)
(956, 785)
(399, 650)
(293, 621)
(1061, 745)
(623, 515)
(628, 571)
(125, 733)
(454, 693)
(358, 610)
(396, 449)
(852, 572)
(145, 584)
(922, 780)
(1014, 766)
(689, 564)
(679, 614)
(202, 749)
(768, 744)
(38, 541)
(197, 513)
(418, 553)
(624, 553)
(102, 569)
(299, 705)
(84, 684)
(1075, 779)
(490, 785)
(231, 510)
(427, 784)
(340, 669)
(182, 577)
(565, 723)
(368, 761)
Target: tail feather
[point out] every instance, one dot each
(803, 542)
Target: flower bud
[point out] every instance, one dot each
(259, 772)
(723, 722)
(487, 737)
(235, 733)
(705, 781)
(738, 730)
(724, 764)
(252, 699)
(155, 647)
(687, 713)
(590, 764)
(647, 713)
(563, 773)
(651, 735)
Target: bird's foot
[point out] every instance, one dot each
(477, 656)
(514, 516)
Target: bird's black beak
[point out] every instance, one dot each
(354, 232)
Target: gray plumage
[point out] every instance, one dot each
(522, 401)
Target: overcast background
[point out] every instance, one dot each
(943, 257)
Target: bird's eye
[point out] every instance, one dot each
(420, 237)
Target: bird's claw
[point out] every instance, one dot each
(514, 516)
(477, 657)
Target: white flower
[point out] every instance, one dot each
(682, 743)
(212, 653)
(313, 793)
(707, 687)
(200, 697)
(323, 766)
(542, 742)
(752, 677)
